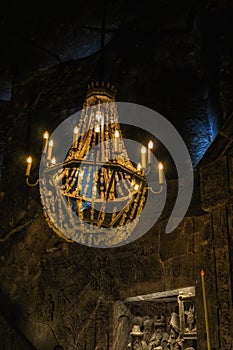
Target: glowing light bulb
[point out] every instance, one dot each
(160, 173)
(150, 146)
(29, 159)
(75, 136)
(50, 149)
(45, 137)
(97, 128)
(116, 141)
(29, 165)
(160, 166)
(143, 157)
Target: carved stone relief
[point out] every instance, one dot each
(158, 333)
(166, 325)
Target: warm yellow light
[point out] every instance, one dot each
(75, 136)
(160, 166)
(50, 149)
(29, 159)
(97, 128)
(160, 173)
(143, 157)
(136, 187)
(143, 149)
(139, 166)
(29, 164)
(46, 135)
(150, 144)
(116, 141)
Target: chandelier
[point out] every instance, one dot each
(96, 190)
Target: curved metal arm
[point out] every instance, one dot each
(31, 184)
(155, 192)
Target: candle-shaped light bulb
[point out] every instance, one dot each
(143, 157)
(136, 187)
(160, 173)
(116, 140)
(139, 167)
(150, 146)
(53, 161)
(29, 165)
(97, 128)
(75, 136)
(50, 149)
(46, 138)
(46, 135)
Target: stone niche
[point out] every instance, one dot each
(163, 320)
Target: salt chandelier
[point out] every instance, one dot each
(96, 172)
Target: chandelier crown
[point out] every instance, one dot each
(100, 92)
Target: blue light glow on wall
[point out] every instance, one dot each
(213, 123)
(199, 134)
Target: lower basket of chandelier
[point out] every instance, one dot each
(109, 194)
